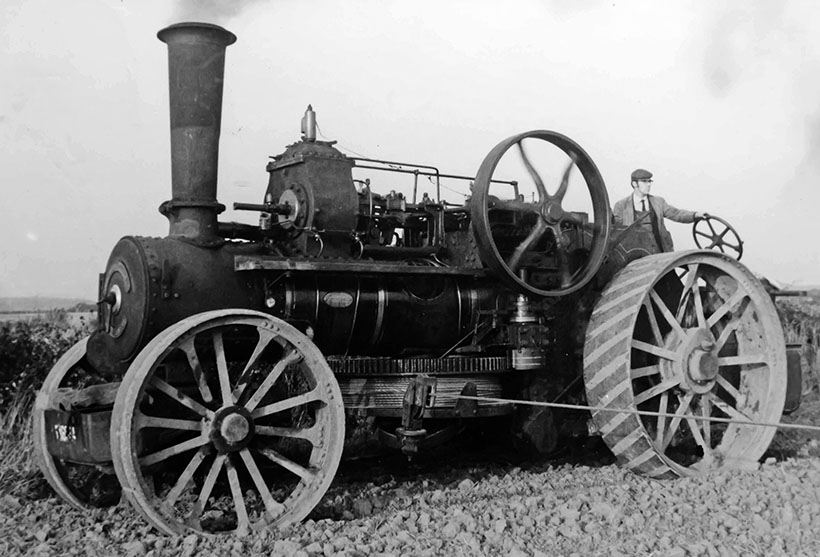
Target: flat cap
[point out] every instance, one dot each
(641, 174)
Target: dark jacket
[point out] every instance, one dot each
(623, 214)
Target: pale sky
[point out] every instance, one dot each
(720, 100)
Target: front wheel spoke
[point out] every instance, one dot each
(531, 240)
(656, 390)
(287, 404)
(173, 450)
(745, 360)
(725, 308)
(659, 351)
(305, 473)
(667, 314)
(265, 338)
(208, 486)
(196, 367)
(290, 358)
(242, 520)
(311, 434)
(185, 477)
(180, 397)
(728, 409)
(536, 178)
(142, 421)
(273, 507)
(676, 420)
(222, 369)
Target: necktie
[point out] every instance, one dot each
(643, 204)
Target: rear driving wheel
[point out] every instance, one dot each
(227, 422)
(687, 335)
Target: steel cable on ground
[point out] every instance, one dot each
(803, 427)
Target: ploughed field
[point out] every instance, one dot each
(476, 498)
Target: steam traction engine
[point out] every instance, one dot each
(227, 356)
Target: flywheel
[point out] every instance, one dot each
(686, 336)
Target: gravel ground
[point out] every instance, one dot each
(487, 508)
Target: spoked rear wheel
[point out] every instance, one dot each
(227, 422)
(688, 336)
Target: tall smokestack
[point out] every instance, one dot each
(196, 66)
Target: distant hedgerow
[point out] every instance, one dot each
(28, 350)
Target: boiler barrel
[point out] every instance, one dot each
(381, 315)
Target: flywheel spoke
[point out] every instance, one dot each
(529, 242)
(562, 188)
(563, 261)
(539, 183)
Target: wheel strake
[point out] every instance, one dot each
(693, 334)
(228, 421)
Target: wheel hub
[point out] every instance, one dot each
(699, 361)
(552, 211)
(232, 429)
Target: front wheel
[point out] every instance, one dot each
(227, 422)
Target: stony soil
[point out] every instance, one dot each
(482, 503)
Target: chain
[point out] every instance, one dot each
(803, 427)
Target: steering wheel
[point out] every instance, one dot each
(540, 248)
(718, 229)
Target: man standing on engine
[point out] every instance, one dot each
(650, 210)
